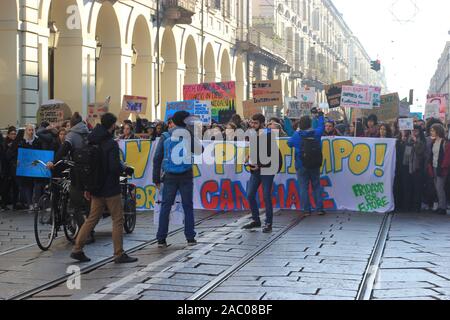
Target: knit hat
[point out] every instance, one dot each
(179, 117)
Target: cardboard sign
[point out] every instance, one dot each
(267, 93)
(32, 163)
(54, 112)
(221, 94)
(334, 91)
(134, 104)
(432, 111)
(356, 97)
(96, 111)
(390, 108)
(250, 109)
(406, 124)
(306, 95)
(295, 108)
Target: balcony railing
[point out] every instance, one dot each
(188, 5)
(179, 11)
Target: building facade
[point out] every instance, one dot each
(112, 48)
(316, 45)
(83, 51)
(440, 82)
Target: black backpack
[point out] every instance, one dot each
(311, 153)
(88, 170)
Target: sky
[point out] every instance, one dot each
(408, 36)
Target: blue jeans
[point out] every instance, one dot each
(256, 179)
(173, 184)
(305, 176)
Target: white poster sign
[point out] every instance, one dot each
(295, 108)
(202, 109)
(432, 111)
(406, 124)
(356, 97)
(307, 95)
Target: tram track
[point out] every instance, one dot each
(209, 288)
(373, 265)
(101, 263)
(364, 291)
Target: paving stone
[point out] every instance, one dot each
(402, 285)
(292, 289)
(234, 296)
(178, 282)
(338, 293)
(402, 293)
(406, 275)
(287, 296)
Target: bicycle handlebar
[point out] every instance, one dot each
(68, 162)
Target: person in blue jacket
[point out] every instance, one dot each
(307, 175)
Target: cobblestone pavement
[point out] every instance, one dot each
(416, 260)
(24, 266)
(320, 258)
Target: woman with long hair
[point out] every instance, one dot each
(439, 164)
(414, 190)
(384, 131)
(31, 188)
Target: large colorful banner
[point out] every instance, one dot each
(357, 175)
(222, 96)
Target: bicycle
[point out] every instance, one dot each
(129, 204)
(52, 212)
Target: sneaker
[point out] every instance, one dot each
(322, 213)
(162, 244)
(442, 212)
(191, 242)
(306, 213)
(80, 256)
(267, 228)
(252, 225)
(124, 258)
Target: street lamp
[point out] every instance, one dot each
(134, 58)
(53, 41)
(98, 50)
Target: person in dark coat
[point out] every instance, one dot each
(31, 188)
(110, 194)
(11, 191)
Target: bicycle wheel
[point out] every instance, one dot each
(130, 216)
(45, 223)
(70, 225)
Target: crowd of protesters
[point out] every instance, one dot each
(422, 165)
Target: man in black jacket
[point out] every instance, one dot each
(110, 193)
(262, 171)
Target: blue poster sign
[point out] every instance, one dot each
(32, 163)
(419, 115)
(173, 107)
